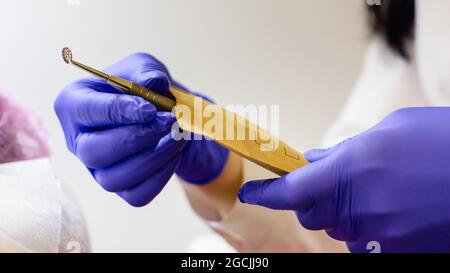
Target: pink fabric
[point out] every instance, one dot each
(22, 135)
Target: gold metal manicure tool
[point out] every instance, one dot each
(196, 115)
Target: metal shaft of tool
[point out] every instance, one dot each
(161, 102)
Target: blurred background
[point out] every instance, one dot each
(303, 55)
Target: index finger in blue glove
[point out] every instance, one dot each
(90, 109)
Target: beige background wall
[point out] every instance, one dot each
(301, 54)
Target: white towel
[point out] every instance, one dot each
(36, 214)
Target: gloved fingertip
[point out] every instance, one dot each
(147, 110)
(250, 192)
(164, 120)
(169, 116)
(125, 109)
(315, 154)
(359, 247)
(240, 197)
(136, 203)
(155, 80)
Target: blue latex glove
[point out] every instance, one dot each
(387, 187)
(124, 142)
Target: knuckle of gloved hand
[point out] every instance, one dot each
(59, 105)
(344, 229)
(136, 200)
(400, 118)
(290, 198)
(142, 57)
(108, 183)
(371, 154)
(147, 60)
(335, 234)
(139, 138)
(67, 103)
(361, 246)
(156, 80)
(89, 155)
(62, 102)
(154, 64)
(124, 109)
(307, 220)
(359, 156)
(89, 158)
(115, 107)
(401, 112)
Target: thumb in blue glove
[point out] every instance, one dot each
(389, 185)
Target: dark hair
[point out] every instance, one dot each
(394, 20)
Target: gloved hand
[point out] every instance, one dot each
(388, 187)
(124, 142)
